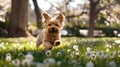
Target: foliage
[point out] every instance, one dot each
(73, 52)
(73, 29)
(3, 25)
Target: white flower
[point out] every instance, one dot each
(21, 47)
(48, 53)
(88, 49)
(16, 41)
(31, 42)
(27, 42)
(75, 40)
(59, 54)
(15, 45)
(59, 63)
(68, 50)
(89, 64)
(77, 53)
(107, 46)
(8, 58)
(117, 41)
(112, 64)
(29, 57)
(2, 45)
(75, 47)
(112, 55)
(16, 62)
(40, 65)
(93, 56)
(101, 54)
(107, 50)
(8, 54)
(72, 55)
(49, 61)
(88, 54)
(26, 62)
(110, 46)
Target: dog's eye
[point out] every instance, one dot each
(49, 24)
(56, 25)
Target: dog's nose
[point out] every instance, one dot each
(53, 29)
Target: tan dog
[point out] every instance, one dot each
(51, 35)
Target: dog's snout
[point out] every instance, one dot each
(53, 29)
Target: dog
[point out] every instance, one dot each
(50, 36)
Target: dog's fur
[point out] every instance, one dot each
(51, 35)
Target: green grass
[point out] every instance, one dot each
(73, 52)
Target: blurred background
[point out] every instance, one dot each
(84, 18)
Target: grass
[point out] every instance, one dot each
(73, 52)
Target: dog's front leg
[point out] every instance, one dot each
(39, 38)
(39, 41)
(48, 46)
(57, 42)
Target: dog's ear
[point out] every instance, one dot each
(60, 17)
(46, 16)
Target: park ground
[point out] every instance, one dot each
(73, 52)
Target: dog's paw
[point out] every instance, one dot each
(57, 42)
(48, 48)
(37, 45)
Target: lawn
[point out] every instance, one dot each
(73, 52)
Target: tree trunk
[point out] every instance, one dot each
(18, 26)
(38, 14)
(92, 18)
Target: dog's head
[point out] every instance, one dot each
(53, 24)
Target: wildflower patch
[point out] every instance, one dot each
(73, 52)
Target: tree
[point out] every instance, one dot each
(118, 1)
(18, 26)
(38, 14)
(95, 8)
(65, 8)
(92, 17)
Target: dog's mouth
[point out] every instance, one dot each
(53, 30)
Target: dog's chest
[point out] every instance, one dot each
(52, 41)
(52, 37)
